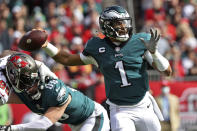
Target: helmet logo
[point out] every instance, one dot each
(18, 62)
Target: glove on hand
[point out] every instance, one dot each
(151, 45)
(5, 128)
(45, 71)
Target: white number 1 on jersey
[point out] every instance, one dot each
(120, 67)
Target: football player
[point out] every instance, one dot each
(20, 83)
(122, 57)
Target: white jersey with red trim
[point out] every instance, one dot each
(4, 86)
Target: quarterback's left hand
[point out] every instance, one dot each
(151, 45)
(5, 128)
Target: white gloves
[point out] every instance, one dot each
(151, 45)
(44, 71)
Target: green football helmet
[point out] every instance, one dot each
(115, 23)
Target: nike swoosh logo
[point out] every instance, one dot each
(148, 106)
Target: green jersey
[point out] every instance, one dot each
(123, 67)
(55, 93)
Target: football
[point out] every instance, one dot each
(33, 40)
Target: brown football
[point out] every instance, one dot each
(33, 40)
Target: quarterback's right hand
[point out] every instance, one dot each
(5, 128)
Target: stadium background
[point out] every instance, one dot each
(70, 23)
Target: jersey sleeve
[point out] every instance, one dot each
(89, 49)
(57, 94)
(145, 36)
(148, 36)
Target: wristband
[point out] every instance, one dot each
(160, 61)
(51, 50)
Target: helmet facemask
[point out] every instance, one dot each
(120, 29)
(27, 81)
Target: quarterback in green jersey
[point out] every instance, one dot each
(122, 58)
(53, 99)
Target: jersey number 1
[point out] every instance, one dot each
(119, 66)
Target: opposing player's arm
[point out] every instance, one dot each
(44, 71)
(62, 56)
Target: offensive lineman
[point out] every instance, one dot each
(20, 83)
